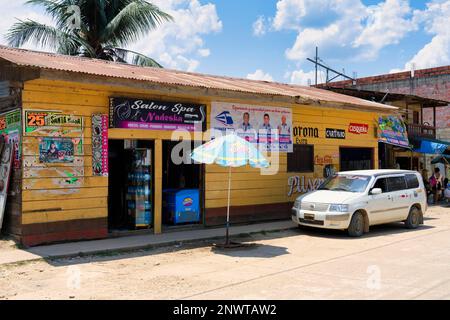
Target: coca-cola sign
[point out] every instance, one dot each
(358, 128)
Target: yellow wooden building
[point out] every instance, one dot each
(66, 195)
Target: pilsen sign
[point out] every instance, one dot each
(156, 115)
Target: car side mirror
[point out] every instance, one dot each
(376, 191)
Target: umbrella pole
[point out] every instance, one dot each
(227, 241)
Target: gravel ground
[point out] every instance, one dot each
(388, 263)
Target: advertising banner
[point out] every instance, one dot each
(51, 123)
(156, 115)
(6, 159)
(10, 128)
(100, 145)
(392, 130)
(269, 127)
(55, 150)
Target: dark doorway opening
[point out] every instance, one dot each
(130, 185)
(356, 158)
(183, 185)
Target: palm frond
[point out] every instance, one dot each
(41, 35)
(129, 56)
(57, 9)
(136, 19)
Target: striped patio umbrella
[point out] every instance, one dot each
(229, 151)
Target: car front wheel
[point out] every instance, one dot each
(356, 227)
(414, 218)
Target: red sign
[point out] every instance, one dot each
(358, 128)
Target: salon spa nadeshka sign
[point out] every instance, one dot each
(129, 113)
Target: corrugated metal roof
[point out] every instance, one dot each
(104, 68)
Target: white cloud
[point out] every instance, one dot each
(303, 78)
(177, 45)
(259, 26)
(204, 52)
(17, 10)
(395, 70)
(342, 29)
(331, 25)
(260, 75)
(174, 44)
(436, 18)
(388, 22)
(292, 14)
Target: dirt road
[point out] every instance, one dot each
(389, 263)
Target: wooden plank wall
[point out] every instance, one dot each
(62, 201)
(250, 188)
(48, 199)
(56, 208)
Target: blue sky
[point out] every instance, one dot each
(270, 39)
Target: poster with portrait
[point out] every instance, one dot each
(268, 127)
(56, 150)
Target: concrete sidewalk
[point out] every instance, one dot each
(130, 243)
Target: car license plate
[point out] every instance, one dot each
(309, 216)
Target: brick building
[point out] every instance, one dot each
(433, 83)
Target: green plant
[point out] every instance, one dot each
(91, 28)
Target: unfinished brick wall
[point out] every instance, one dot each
(433, 83)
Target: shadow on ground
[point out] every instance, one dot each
(258, 250)
(375, 231)
(252, 251)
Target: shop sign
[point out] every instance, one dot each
(306, 132)
(358, 128)
(329, 170)
(100, 145)
(393, 131)
(129, 113)
(51, 123)
(10, 128)
(321, 161)
(334, 133)
(303, 184)
(56, 150)
(268, 127)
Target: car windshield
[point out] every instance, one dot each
(349, 183)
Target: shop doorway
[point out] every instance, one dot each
(356, 158)
(130, 187)
(182, 186)
(405, 163)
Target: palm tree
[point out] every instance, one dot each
(91, 28)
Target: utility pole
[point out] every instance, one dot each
(317, 61)
(328, 70)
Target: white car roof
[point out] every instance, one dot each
(377, 172)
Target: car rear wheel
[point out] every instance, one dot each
(356, 227)
(414, 218)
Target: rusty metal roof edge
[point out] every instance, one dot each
(304, 99)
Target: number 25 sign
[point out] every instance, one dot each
(35, 119)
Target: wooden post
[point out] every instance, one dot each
(158, 186)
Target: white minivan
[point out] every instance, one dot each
(356, 200)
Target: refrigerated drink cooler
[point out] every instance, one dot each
(139, 190)
(181, 206)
